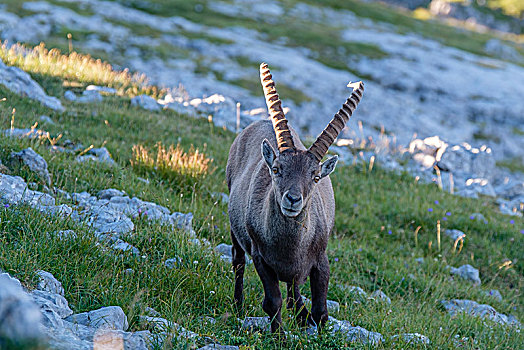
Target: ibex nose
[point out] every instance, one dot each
(292, 198)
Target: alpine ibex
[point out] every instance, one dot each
(282, 207)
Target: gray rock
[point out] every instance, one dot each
(112, 214)
(125, 247)
(461, 159)
(61, 193)
(151, 312)
(109, 221)
(117, 339)
(46, 119)
(31, 133)
(496, 47)
(467, 193)
(21, 83)
(110, 317)
(507, 208)
(173, 262)
(104, 89)
(98, 155)
(145, 102)
(455, 234)
(62, 210)
(467, 272)
(478, 217)
(332, 306)
(50, 318)
(472, 308)
(90, 96)
(201, 243)
(70, 95)
(47, 282)
(33, 161)
(62, 338)
(356, 293)
(78, 336)
(52, 300)
(20, 317)
(110, 193)
(412, 338)
(224, 249)
(13, 190)
(65, 234)
(357, 334)
(253, 324)
(493, 293)
(157, 324)
(380, 296)
(182, 221)
(226, 255)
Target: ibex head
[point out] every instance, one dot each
(296, 172)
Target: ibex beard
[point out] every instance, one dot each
(282, 207)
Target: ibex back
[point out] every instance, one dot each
(282, 207)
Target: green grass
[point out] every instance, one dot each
(361, 251)
(515, 165)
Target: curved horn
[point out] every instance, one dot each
(274, 106)
(320, 147)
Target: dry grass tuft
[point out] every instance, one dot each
(76, 67)
(173, 164)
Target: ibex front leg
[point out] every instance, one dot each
(239, 265)
(296, 304)
(273, 298)
(319, 286)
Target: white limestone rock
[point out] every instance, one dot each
(20, 317)
(380, 296)
(35, 162)
(467, 272)
(145, 102)
(475, 309)
(21, 83)
(47, 282)
(109, 317)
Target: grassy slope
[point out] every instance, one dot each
(361, 252)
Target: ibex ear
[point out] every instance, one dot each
(268, 153)
(328, 166)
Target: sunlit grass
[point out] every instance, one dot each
(75, 67)
(172, 163)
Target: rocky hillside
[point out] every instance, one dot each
(113, 227)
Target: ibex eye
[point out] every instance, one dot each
(275, 170)
(316, 178)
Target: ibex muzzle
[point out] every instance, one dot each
(282, 207)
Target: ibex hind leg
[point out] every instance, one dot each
(295, 304)
(239, 265)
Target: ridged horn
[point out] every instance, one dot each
(274, 106)
(320, 147)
